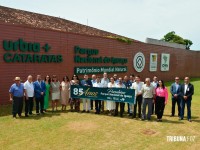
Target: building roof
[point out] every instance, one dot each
(20, 17)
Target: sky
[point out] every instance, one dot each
(136, 19)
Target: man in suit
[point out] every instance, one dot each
(186, 92)
(175, 91)
(39, 89)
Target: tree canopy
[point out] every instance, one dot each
(174, 38)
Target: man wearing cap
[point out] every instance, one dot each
(29, 94)
(16, 93)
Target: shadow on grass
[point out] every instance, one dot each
(37, 117)
(5, 110)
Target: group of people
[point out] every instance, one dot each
(153, 95)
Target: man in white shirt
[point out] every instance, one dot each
(148, 92)
(137, 85)
(97, 84)
(104, 83)
(29, 94)
(120, 85)
(93, 81)
(155, 84)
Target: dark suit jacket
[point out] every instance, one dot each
(189, 91)
(38, 89)
(174, 91)
(88, 82)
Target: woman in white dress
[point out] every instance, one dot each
(55, 94)
(65, 89)
(111, 104)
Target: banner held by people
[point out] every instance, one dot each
(110, 94)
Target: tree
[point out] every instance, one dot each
(173, 38)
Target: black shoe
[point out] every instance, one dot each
(134, 117)
(83, 111)
(115, 114)
(180, 118)
(88, 111)
(14, 116)
(131, 114)
(20, 115)
(189, 120)
(26, 115)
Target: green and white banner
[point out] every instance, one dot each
(110, 94)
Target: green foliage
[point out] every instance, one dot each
(122, 39)
(173, 38)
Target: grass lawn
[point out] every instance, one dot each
(71, 130)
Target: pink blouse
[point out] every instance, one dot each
(162, 93)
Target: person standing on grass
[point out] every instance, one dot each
(65, 89)
(104, 82)
(75, 102)
(93, 81)
(122, 104)
(97, 84)
(39, 89)
(16, 93)
(55, 94)
(148, 92)
(137, 85)
(161, 99)
(111, 104)
(155, 84)
(128, 85)
(186, 91)
(47, 81)
(86, 82)
(175, 91)
(29, 94)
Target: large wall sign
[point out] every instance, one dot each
(97, 69)
(92, 57)
(22, 52)
(139, 62)
(165, 58)
(153, 62)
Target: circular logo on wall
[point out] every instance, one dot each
(139, 62)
